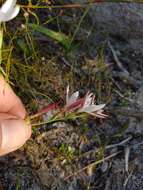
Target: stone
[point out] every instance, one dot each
(123, 20)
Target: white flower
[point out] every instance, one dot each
(89, 105)
(71, 99)
(86, 104)
(9, 10)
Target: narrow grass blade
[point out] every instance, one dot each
(58, 36)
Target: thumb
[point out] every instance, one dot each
(13, 134)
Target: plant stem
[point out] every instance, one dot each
(78, 5)
(54, 120)
(48, 122)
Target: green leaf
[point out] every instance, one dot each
(58, 36)
(23, 46)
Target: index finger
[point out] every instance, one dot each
(9, 101)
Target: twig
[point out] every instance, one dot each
(77, 5)
(108, 157)
(126, 181)
(108, 147)
(93, 164)
(116, 59)
(127, 153)
(120, 143)
(127, 79)
(137, 145)
(124, 75)
(122, 96)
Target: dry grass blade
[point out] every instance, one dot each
(127, 154)
(93, 164)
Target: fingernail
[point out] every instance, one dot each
(14, 134)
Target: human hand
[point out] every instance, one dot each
(13, 129)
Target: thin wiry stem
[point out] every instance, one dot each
(78, 5)
(48, 122)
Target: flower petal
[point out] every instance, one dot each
(73, 98)
(9, 10)
(3, 17)
(9, 15)
(9, 4)
(92, 108)
(14, 13)
(99, 115)
(67, 93)
(88, 100)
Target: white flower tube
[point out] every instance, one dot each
(9, 10)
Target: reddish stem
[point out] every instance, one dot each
(45, 110)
